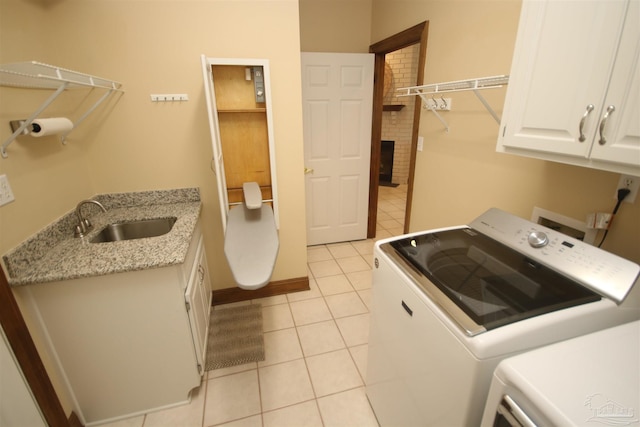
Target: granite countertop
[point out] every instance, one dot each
(53, 254)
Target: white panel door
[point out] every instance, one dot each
(337, 99)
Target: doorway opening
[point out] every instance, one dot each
(416, 35)
(387, 151)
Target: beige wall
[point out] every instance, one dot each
(45, 179)
(335, 25)
(459, 174)
(133, 144)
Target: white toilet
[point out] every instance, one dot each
(251, 240)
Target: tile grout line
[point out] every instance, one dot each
(333, 319)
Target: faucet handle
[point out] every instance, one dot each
(82, 228)
(84, 224)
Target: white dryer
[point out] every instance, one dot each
(449, 304)
(586, 381)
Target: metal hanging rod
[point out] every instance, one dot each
(38, 75)
(474, 85)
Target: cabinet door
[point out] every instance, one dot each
(563, 58)
(199, 303)
(214, 128)
(205, 285)
(622, 129)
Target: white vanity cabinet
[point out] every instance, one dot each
(574, 88)
(127, 343)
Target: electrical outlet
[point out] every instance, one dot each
(6, 195)
(632, 183)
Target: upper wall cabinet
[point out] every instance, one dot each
(574, 88)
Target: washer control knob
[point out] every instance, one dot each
(538, 239)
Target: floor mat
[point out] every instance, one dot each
(235, 336)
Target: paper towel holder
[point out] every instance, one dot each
(33, 74)
(17, 124)
(32, 128)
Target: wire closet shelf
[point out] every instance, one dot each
(474, 85)
(37, 75)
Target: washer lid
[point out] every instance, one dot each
(474, 277)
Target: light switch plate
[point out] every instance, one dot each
(6, 195)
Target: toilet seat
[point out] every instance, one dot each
(251, 245)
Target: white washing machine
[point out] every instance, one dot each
(449, 304)
(586, 381)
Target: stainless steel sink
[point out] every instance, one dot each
(139, 229)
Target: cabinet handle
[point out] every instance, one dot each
(590, 108)
(201, 271)
(407, 309)
(603, 122)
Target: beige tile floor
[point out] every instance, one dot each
(391, 210)
(315, 349)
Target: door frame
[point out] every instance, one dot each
(27, 356)
(414, 35)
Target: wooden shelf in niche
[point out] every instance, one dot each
(243, 110)
(392, 107)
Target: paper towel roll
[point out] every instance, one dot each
(52, 126)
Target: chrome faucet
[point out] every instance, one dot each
(84, 224)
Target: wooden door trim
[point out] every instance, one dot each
(28, 358)
(408, 37)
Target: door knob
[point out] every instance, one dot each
(308, 170)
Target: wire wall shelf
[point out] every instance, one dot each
(37, 75)
(475, 85)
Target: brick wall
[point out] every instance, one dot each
(397, 125)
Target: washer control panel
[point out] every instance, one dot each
(601, 271)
